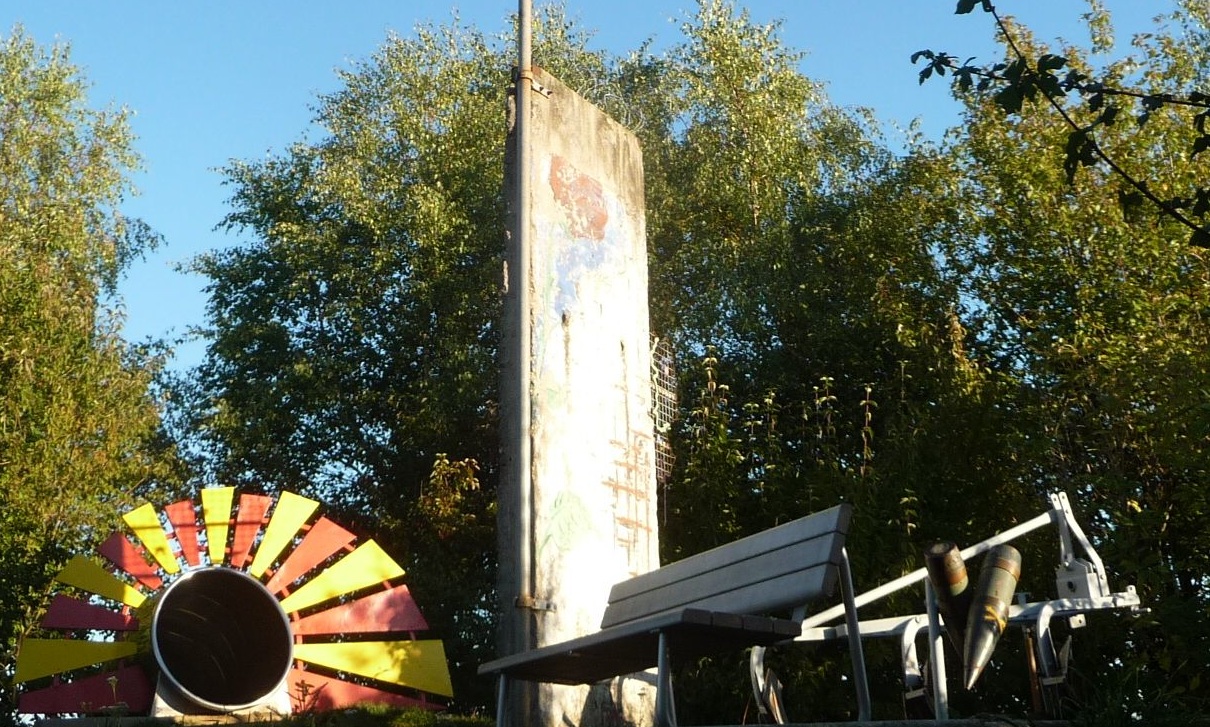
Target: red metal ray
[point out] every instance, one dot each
(324, 539)
(183, 517)
(68, 613)
(248, 520)
(122, 553)
(93, 694)
(393, 610)
(312, 691)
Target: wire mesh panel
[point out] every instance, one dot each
(663, 401)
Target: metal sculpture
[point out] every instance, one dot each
(240, 610)
(1081, 580)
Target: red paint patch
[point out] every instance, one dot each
(582, 199)
(324, 539)
(252, 509)
(92, 695)
(119, 551)
(311, 691)
(388, 611)
(66, 613)
(184, 524)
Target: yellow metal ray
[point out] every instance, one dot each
(145, 522)
(87, 574)
(288, 518)
(416, 664)
(365, 566)
(43, 657)
(216, 512)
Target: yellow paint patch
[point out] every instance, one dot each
(289, 516)
(145, 522)
(994, 615)
(364, 567)
(416, 664)
(88, 575)
(43, 657)
(216, 512)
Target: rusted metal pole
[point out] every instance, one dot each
(523, 631)
(523, 245)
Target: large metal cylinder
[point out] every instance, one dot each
(990, 607)
(947, 574)
(221, 639)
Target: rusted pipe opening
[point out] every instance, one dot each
(221, 639)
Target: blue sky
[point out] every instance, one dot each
(220, 80)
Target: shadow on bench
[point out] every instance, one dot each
(705, 604)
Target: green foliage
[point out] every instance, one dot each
(837, 367)
(444, 532)
(938, 337)
(79, 428)
(1097, 316)
(1019, 80)
(378, 716)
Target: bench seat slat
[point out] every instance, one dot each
(770, 594)
(633, 647)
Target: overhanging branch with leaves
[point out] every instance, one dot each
(1020, 80)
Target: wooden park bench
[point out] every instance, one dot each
(708, 603)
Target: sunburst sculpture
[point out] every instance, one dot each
(243, 609)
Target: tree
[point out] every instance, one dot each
(977, 325)
(1094, 309)
(79, 427)
(801, 257)
(1023, 77)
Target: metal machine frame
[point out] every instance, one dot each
(1081, 582)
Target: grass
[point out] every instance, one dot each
(377, 716)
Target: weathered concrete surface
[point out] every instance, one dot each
(591, 430)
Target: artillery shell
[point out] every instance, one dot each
(947, 574)
(989, 608)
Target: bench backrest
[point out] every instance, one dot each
(781, 568)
